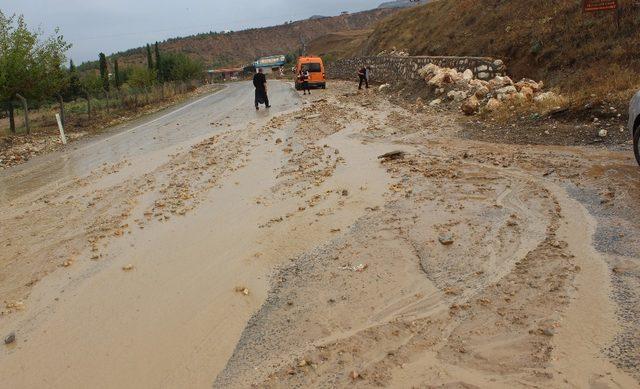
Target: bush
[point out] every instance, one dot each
(142, 77)
(91, 83)
(179, 67)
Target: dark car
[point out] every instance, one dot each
(634, 124)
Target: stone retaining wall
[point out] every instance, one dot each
(389, 69)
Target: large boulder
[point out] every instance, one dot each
(482, 92)
(527, 92)
(428, 71)
(506, 93)
(500, 82)
(470, 105)
(467, 75)
(457, 96)
(507, 90)
(478, 83)
(384, 87)
(527, 83)
(547, 98)
(493, 104)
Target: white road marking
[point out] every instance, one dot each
(159, 118)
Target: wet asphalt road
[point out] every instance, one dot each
(190, 120)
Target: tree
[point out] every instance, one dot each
(29, 65)
(179, 67)
(92, 83)
(149, 59)
(158, 63)
(116, 74)
(104, 72)
(74, 88)
(142, 77)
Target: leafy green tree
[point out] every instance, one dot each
(92, 83)
(29, 65)
(116, 74)
(158, 63)
(142, 77)
(73, 87)
(179, 67)
(149, 59)
(104, 72)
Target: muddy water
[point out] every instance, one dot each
(339, 254)
(175, 318)
(191, 120)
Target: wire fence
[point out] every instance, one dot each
(92, 108)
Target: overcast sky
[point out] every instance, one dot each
(93, 26)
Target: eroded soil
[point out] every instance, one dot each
(280, 251)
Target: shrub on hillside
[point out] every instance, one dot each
(142, 77)
(179, 67)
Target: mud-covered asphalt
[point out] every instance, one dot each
(215, 245)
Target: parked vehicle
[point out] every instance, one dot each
(315, 67)
(634, 124)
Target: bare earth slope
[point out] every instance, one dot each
(555, 41)
(242, 47)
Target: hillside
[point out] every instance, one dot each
(581, 54)
(402, 3)
(242, 47)
(339, 44)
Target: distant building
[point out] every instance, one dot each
(224, 74)
(273, 62)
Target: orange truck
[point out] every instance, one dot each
(315, 67)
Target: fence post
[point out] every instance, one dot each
(12, 119)
(106, 93)
(88, 97)
(61, 103)
(26, 112)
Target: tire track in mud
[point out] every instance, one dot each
(324, 327)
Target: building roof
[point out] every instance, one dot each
(270, 61)
(226, 70)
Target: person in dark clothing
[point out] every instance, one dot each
(362, 75)
(260, 83)
(304, 77)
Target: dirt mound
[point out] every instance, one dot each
(584, 55)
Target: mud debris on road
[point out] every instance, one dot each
(343, 240)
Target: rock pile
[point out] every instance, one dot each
(476, 95)
(394, 53)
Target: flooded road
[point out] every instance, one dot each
(166, 129)
(215, 245)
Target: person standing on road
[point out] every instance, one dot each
(362, 75)
(260, 83)
(304, 77)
